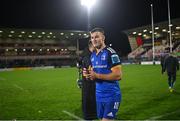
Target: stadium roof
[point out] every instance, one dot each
(160, 29)
(60, 35)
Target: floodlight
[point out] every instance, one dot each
(178, 27)
(134, 32)
(88, 3)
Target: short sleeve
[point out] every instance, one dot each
(113, 58)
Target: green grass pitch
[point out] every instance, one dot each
(45, 94)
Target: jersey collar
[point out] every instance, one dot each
(100, 50)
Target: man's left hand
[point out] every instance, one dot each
(92, 75)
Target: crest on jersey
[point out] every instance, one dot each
(103, 57)
(115, 59)
(96, 62)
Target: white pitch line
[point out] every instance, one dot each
(72, 115)
(17, 86)
(160, 116)
(3, 79)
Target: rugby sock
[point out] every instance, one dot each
(169, 82)
(173, 83)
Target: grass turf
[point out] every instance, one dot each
(45, 94)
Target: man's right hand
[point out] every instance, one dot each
(85, 73)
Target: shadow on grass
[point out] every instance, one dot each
(176, 92)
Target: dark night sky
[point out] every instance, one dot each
(113, 15)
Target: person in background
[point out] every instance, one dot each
(171, 65)
(88, 87)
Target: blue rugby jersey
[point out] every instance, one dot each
(102, 63)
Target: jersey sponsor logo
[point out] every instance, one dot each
(115, 59)
(100, 66)
(110, 114)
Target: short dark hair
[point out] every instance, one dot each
(97, 30)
